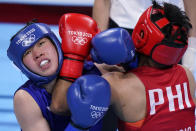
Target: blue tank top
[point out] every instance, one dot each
(43, 99)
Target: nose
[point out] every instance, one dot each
(38, 56)
(37, 53)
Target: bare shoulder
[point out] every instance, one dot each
(113, 77)
(122, 78)
(22, 97)
(192, 83)
(128, 92)
(28, 112)
(189, 74)
(125, 84)
(21, 94)
(24, 104)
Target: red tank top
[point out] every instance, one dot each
(169, 103)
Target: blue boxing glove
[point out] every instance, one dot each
(114, 46)
(88, 99)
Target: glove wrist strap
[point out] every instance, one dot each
(130, 64)
(71, 69)
(79, 127)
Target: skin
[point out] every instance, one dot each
(26, 109)
(128, 82)
(44, 50)
(190, 10)
(128, 92)
(59, 104)
(101, 13)
(59, 98)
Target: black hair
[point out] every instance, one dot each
(175, 31)
(176, 17)
(27, 24)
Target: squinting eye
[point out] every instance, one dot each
(41, 43)
(27, 52)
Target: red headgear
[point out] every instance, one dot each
(150, 40)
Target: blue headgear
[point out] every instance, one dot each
(27, 38)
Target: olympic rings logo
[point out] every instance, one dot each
(96, 115)
(79, 40)
(28, 40)
(132, 53)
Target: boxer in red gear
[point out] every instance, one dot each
(159, 94)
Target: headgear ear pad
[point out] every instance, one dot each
(148, 39)
(171, 55)
(27, 38)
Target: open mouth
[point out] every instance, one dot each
(44, 64)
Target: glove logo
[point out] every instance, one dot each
(95, 114)
(27, 41)
(132, 53)
(27, 34)
(97, 111)
(79, 40)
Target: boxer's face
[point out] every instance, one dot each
(42, 58)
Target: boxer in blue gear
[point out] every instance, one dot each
(38, 88)
(26, 39)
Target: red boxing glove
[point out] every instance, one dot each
(76, 31)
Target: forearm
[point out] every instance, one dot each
(59, 98)
(101, 12)
(190, 11)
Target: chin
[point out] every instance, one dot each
(48, 73)
(52, 72)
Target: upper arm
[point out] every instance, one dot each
(190, 11)
(192, 83)
(28, 113)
